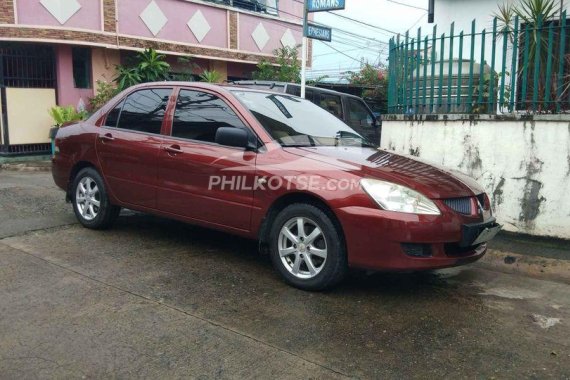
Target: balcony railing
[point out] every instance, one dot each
(262, 6)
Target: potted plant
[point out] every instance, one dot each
(63, 116)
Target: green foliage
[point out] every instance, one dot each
(149, 66)
(152, 66)
(317, 80)
(484, 108)
(127, 77)
(210, 76)
(187, 74)
(64, 115)
(288, 67)
(105, 92)
(375, 78)
(531, 13)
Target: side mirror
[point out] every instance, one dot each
(379, 120)
(235, 137)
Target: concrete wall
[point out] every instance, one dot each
(524, 165)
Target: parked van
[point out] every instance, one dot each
(349, 108)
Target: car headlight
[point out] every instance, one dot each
(394, 197)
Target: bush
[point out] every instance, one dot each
(105, 92)
(65, 115)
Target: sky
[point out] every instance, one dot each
(370, 44)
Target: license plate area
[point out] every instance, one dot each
(478, 233)
(487, 234)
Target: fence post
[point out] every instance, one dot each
(492, 91)
(525, 65)
(418, 55)
(514, 65)
(537, 43)
(405, 81)
(450, 68)
(460, 70)
(433, 43)
(442, 53)
(561, 53)
(503, 68)
(425, 73)
(391, 68)
(549, 66)
(481, 70)
(471, 63)
(411, 70)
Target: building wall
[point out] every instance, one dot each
(67, 94)
(217, 32)
(523, 165)
(103, 64)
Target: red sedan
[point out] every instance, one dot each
(319, 197)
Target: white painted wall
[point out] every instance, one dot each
(524, 165)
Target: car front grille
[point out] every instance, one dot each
(461, 205)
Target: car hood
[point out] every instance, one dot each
(432, 180)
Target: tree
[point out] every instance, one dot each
(149, 66)
(288, 67)
(375, 79)
(211, 76)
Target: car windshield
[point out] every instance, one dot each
(295, 122)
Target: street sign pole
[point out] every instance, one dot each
(314, 31)
(304, 50)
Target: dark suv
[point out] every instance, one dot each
(349, 108)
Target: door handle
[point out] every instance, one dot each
(173, 149)
(106, 137)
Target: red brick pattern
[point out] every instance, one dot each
(7, 12)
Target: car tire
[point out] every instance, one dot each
(90, 201)
(311, 257)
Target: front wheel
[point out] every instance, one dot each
(90, 201)
(307, 248)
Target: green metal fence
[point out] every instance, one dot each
(519, 67)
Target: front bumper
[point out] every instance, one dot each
(385, 240)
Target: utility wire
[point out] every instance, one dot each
(362, 22)
(407, 5)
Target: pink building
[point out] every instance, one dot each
(54, 51)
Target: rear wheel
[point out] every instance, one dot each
(90, 201)
(307, 248)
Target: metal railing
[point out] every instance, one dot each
(517, 67)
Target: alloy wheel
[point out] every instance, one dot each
(302, 247)
(88, 198)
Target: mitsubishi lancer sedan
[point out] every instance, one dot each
(318, 197)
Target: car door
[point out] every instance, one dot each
(128, 146)
(198, 178)
(361, 119)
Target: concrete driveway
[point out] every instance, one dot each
(154, 298)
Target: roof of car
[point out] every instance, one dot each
(272, 84)
(203, 85)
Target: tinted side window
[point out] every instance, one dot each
(358, 114)
(198, 116)
(331, 103)
(113, 115)
(144, 110)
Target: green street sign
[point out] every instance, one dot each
(318, 33)
(324, 5)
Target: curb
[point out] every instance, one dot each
(531, 266)
(27, 167)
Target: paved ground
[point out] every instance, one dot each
(154, 298)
